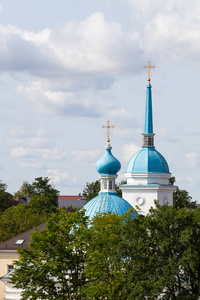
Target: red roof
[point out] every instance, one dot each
(69, 197)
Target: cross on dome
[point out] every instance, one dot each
(149, 70)
(108, 126)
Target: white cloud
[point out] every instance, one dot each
(85, 155)
(48, 101)
(129, 150)
(123, 133)
(61, 178)
(37, 147)
(125, 118)
(50, 154)
(193, 159)
(33, 153)
(170, 29)
(93, 45)
(90, 46)
(17, 131)
(19, 152)
(27, 138)
(30, 165)
(63, 64)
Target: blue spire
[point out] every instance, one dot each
(148, 122)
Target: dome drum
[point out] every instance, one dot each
(108, 183)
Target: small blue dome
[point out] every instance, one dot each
(108, 164)
(107, 202)
(147, 160)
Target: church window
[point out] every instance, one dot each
(105, 184)
(148, 141)
(110, 185)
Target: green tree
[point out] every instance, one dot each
(41, 187)
(41, 205)
(6, 199)
(91, 190)
(164, 254)
(116, 257)
(18, 219)
(23, 191)
(105, 260)
(53, 268)
(181, 198)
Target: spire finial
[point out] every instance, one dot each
(108, 126)
(149, 70)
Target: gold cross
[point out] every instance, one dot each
(108, 126)
(149, 70)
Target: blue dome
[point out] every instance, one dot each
(147, 160)
(108, 164)
(107, 202)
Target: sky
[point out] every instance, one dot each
(66, 67)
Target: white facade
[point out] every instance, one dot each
(142, 193)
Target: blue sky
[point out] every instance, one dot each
(66, 67)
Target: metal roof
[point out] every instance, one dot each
(66, 197)
(108, 164)
(73, 203)
(107, 202)
(147, 160)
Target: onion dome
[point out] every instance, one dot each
(107, 202)
(108, 164)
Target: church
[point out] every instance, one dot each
(147, 172)
(147, 176)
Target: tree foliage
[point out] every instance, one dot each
(105, 260)
(181, 198)
(41, 205)
(43, 202)
(23, 191)
(40, 187)
(54, 267)
(6, 199)
(117, 257)
(169, 254)
(18, 219)
(91, 190)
